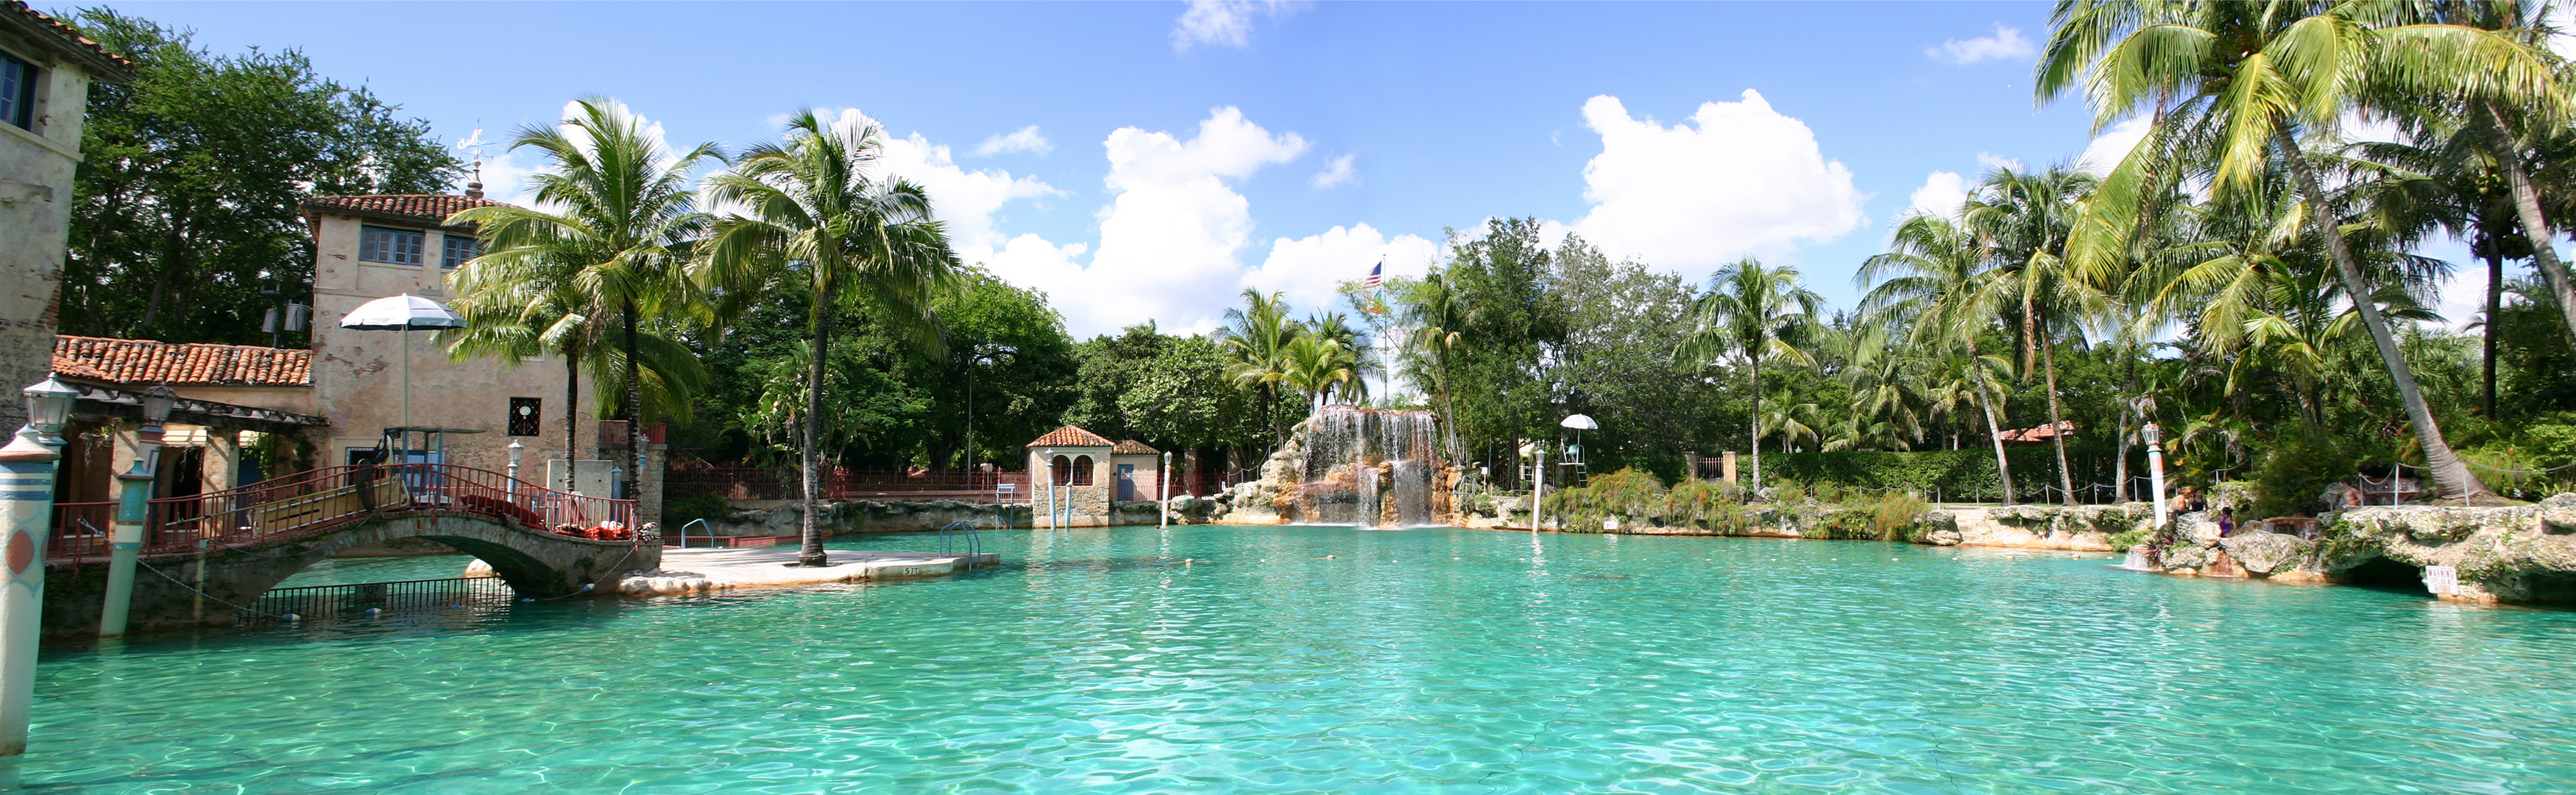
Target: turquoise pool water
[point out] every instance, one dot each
(1330, 659)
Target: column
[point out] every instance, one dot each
(26, 507)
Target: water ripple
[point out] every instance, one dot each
(1246, 659)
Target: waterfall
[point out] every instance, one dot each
(1358, 460)
(2137, 559)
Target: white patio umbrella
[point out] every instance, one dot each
(402, 313)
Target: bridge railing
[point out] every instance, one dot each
(318, 499)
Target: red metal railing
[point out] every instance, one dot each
(769, 483)
(317, 500)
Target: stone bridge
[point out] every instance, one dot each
(205, 555)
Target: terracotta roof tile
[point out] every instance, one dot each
(1069, 436)
(427, 207)
(111, 66)
(1133, 447)
(118, 361)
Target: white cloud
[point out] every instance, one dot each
(2006, 44)
(1995, 162)
(1942, 194)
(1025, 139)
(966, 201)
(506, 175)
(1744, 180)
(1308, 268)
(1337, 171)
(2106, 151)
(1222, 22)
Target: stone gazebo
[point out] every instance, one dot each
(1091, 473)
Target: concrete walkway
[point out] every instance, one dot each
(709, 570)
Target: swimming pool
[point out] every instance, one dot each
(1332, 659)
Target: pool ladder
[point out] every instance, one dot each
(962, 536)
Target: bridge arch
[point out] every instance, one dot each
(207, 555)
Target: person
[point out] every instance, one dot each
(2187, 500)
(2198, 502)
(2226, 521)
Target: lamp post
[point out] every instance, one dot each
(2156, 467)
(27, 505)
(132, 506)
(515, 449)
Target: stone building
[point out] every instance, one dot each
(45, 74)
(1089, 471)
(227, 393)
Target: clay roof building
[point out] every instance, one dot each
(424, 208)
(1070, 436)
(147, 362)
(1133, 447)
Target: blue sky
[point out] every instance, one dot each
(1193, 150)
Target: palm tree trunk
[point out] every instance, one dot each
(811, 463)
(1994, 428)
(2120, 467)
(572, 417)
(2495, 300)
(634, 413)
(2535, 225)
(1756, 356)
(2451, 477)
(2056, 432)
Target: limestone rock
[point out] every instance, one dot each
(1942, 538)
(2264, 553)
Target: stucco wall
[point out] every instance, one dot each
(35, 216)
(357, 375)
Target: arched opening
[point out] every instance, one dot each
(2386, 575)
(1082, 470)
(1061, 472)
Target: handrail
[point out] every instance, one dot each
(319, 499)
(973, 540)
(698, 522)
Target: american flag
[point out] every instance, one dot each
(1376, 274)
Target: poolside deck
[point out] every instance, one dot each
(711, 570)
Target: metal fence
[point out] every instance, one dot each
(783, 483)
(325, 601)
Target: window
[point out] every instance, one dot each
(1082, 470)
(524, 414)
(1061, 471)
(454, 250)
(397, 246)
(17, 91)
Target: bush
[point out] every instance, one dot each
(1956, 475)
(1865, 517)
(2123, 540)
(2302, 462)
(1714, 506)
(1627, 494)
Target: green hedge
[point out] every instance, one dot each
(1956, 475)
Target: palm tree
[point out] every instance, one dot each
(1792, 421)
(1352, 353)
(608, 237)
(1318, 367)
(1256, 340)
(2024, 220)
(2232, 85)
(1886, 391)
(517, 315)
(1435, 312)
(1751, 311)
(1933, 283)
(813, 213)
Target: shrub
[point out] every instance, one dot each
(1866, 517)
(2303, 460)
(1627, 494)
(2123, 540)
(1708, 505)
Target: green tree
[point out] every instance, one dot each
(1752, 311)
(2024, 220)
(613, 237)
(1931, 284)
(2234, 85)
(814, 212)
(1256, 338)
(185, 221)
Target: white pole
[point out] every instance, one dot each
(27, 505)
(2156, 468)
(1538, 495)
(1163, 486)
(406, 375)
